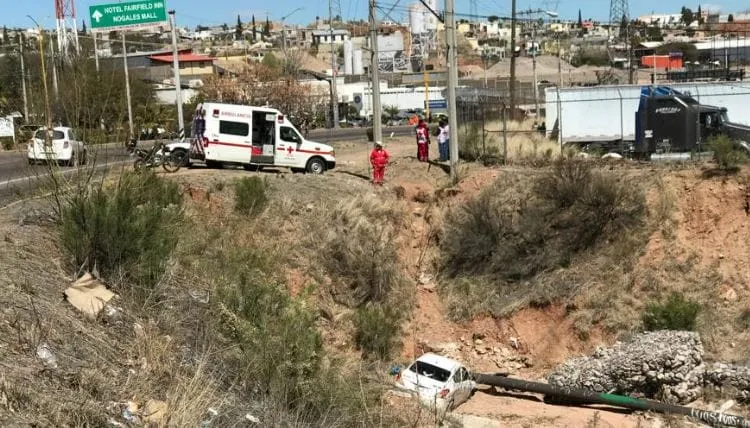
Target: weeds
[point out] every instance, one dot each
(378, 328)
(126, 233)
(676, 313)
(7, 143)
(505, 238)
(359, 251)
(726, 154)
(251, 196)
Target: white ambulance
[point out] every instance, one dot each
(256, 137)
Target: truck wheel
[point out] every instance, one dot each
(316, 166)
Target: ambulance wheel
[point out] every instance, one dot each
(252, 168)
(316, 166)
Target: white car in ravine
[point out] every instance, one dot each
(62, 148)
(440, 383)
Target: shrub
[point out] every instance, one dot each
(359, 251)
(676, 313)
(7, 143)
(251, 195)
(378, 328)
(128, 232)
(725, 153)
(470, 143)
(513, 237)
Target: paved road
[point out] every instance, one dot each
(355, 134)
(18, 178)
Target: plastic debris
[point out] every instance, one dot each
(44, 353)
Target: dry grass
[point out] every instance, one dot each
(525, 146)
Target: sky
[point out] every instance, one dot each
(191, 13)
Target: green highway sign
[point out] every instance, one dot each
(133, 14)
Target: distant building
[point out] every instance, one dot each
(191, 65)
(321, 37)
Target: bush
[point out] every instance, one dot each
(359, 251)
(725, 153)
(7, 143)
(470, 143)
(676, 313)
(127, 233)
(378, 328)
(251, 195)
(512, 237)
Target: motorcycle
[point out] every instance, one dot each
(155, 157)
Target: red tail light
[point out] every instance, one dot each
(398, 377)
(444, 392)
(66, 145)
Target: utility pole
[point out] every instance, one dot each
(512, 84)
(96, 50)
(533, 62)
(23, 83)
(377, 109)
(426, 90)
(127, 84)
(177, 82)
(450, 32)
(54, 70)
(334, 64)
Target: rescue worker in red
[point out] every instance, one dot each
(379, 158)
(423, 141)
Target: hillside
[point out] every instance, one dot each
(290, 309)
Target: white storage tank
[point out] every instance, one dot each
(357, 65)
(417, 18)
(348, 57)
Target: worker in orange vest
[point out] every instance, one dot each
(379, 158)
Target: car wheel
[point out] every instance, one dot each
(73, 162)
(316, 166)
(32, 161)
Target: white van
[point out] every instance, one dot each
(256, 137)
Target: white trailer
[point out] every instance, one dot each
(607, 113)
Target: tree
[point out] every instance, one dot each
(224, 27)
(84, 30)
(689, 51)
(238, 29)
(267, 29)
(5, 35)
(271, 62)
(493, 18)
(255, 29)
(580, 19)
(392, 111)
(730, 18)
(654, 34)
(624, 27)
(699, 15)
(687, 16)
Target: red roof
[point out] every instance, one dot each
(182, 58)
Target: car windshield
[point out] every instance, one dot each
(54, 135)
(428, 370)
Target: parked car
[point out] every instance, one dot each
(63, 147)
(439, 382)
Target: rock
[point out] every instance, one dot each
(478, 342)
(309, 207)
(425, 279)
(514, 343)
(666, 360)
(430, 287)
(444, 348)
(728, 293)
(154, 411)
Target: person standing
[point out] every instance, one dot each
(423, 141)
(444, 140)
(379, 158)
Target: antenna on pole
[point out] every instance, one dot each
(65, 14)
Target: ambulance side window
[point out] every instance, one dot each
(289, 135)
(240, 129)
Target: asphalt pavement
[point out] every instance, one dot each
(18, 178)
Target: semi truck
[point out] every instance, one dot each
(653, 120)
